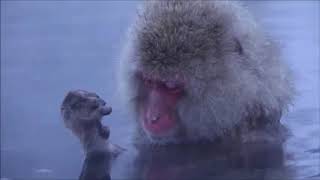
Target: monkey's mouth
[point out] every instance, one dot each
(160, 125)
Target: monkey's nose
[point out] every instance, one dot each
(154, 119)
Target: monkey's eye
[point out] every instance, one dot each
(148, 82)
(173, 87)
(95, 106)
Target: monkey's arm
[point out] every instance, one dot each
(99, 156)
(262, 127)
(96, 166)
(82, 113)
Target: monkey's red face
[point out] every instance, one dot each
(158, 109)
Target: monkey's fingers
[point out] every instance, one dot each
(105, 110)
(104, 131)
(115, 150)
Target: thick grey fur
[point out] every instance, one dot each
(237, 84)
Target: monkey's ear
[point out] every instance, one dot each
(237, 46)
(71, 99)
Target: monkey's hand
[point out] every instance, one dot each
(82, 113)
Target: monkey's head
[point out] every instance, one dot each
(186, 58)
(83, 110)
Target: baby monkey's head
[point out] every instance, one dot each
(82, 110)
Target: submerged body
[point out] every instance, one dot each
(204, 71)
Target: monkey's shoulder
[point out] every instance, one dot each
(262, 128)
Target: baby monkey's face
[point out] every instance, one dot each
(81, 110)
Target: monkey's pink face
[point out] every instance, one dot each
(158, 109)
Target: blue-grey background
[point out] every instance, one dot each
(50, 47)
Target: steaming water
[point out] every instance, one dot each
(48, 48)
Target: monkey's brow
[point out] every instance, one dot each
(136, 98)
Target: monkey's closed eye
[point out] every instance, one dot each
(148, 82)
(76, 106)
(173, 87)
(95, 106)
(238, 46)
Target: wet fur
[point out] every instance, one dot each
(238, 86)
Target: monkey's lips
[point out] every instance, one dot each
(160, 126)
